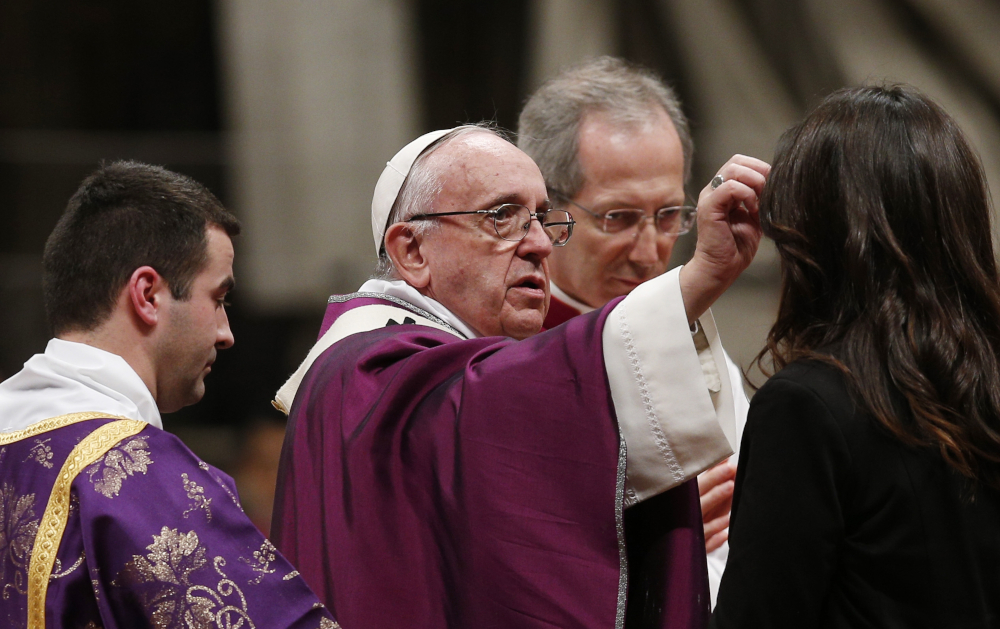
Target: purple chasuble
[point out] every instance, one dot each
(109, 523)
(432, 481)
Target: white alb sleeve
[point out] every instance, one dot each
(718, 557)
(675, 408)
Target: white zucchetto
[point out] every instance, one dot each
(391, 180)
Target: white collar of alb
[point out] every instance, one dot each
(561, 295)
(74, 377)
(402, 290)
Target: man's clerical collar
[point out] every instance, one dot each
(561, 295)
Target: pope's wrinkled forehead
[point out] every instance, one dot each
(483, 168)
(485, 142)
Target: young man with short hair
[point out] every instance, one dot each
(105, 519)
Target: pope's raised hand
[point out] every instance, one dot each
(728, 232)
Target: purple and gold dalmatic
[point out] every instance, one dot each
(433, 481)
(111, 523)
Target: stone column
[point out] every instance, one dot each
(566, 32)
(318, 96)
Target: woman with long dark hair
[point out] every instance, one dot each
(868, 488)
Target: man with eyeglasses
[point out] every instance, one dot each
(615, 150)
(447, 466)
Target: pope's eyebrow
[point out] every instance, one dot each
(502, 199)
(516, 199)
(228, 284)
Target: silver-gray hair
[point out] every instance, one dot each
(420, 190)
(549, 126)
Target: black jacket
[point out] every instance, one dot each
(836, 523)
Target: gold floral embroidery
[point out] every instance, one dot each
(291, 575)
(58, 573)
(229, 492)
(261, 562)
(18, 527)
(41, 452)
(326, 623)
(95, 582)
(196, 494)
(166, 571)
(119, 463)
(163, 580)
(203, 466)
(53, 522)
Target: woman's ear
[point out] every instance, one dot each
(402, 245)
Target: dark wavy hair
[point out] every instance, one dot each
(881, 215)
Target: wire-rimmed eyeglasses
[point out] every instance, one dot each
(668, 221)
(512, 222)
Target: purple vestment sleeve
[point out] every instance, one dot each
(153, 537)
(438, 482)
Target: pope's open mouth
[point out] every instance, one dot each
(531, 285)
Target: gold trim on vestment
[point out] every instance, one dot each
(51, 424)
(53, 524)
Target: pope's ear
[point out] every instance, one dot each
(145, 294)
(402, 245)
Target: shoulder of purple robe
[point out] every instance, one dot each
(339, 304)
(173, 542)
(31, 466)
(458, 482)
(154, 537)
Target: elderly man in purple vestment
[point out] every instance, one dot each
(614, 147)
(447, 466)
(107, 521)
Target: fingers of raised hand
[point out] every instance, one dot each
(740, 181)
(745, 162)
(742, 189)
(748, 176)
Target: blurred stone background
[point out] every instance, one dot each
(288, 111)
